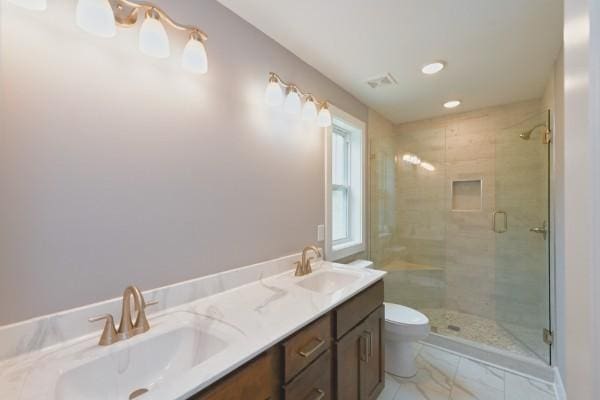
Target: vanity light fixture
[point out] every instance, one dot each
(154, 40)
(433, 68)
(96, 17)
(102, 17)
(452, 104)
(274, 92)
(194, 55)
(311, 110)
(293, 103)
(324, 117)
(35, 5)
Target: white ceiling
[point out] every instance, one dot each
(498, 51)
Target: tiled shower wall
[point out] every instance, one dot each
(441, 258)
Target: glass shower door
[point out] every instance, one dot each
(521, 223)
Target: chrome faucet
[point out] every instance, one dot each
(128, 328)
(303, 267)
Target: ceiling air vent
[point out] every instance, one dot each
(381, 81)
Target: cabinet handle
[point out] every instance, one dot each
(370, 344)
(304, 352)
(320, 394)
(364, 352)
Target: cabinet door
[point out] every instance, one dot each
(372, 372)
(347, 372)
(257, 380)
(360, 360)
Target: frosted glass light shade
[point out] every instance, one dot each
(96, 17)
(309, 111)
(36, 5)
(293, 104)
(274, 94)
(153, 38)
(324, 118)
(194, 57)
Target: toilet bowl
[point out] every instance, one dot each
(403, 328)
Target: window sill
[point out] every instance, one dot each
(344, 250)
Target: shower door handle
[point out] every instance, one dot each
(540, 229)
(494, 227)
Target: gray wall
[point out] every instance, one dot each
(116, 168)
(580, 244)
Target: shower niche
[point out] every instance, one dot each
(466, 195)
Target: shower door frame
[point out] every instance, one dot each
(552, 236)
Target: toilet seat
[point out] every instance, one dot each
(397, 314)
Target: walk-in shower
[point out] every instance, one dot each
(466, 242)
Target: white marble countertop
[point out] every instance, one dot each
(243, 322)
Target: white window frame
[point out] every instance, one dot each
(346, 188)
(356, 242)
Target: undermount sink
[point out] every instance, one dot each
(136, 369)
(327, 282)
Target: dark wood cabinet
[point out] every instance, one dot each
(372, 366)
(314, 383)
(257, 380)
(339, 356)
(359, 348)
(305, 346)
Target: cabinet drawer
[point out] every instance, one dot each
(314, 383)
(352, 312)
(257, 380)
(306, 346)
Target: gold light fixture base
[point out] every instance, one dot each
(125, 16)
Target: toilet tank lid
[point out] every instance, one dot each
(401, 315)
(362, 264)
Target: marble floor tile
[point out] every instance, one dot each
(477, 381)
(442, 375)
(391, 388)
(428, 384)
(440, 363)
(519, 388)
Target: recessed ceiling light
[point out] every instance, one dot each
(452, 104)
(433, 68)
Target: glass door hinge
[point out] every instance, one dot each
(548, 336)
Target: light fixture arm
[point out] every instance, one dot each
(136, 6)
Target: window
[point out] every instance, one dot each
(345, 186)
(340, 185)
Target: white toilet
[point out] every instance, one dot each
(404, 327)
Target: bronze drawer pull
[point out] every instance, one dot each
(307, 353)
(320, 395)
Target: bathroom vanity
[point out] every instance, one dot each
(339, 356)
(258, 332)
